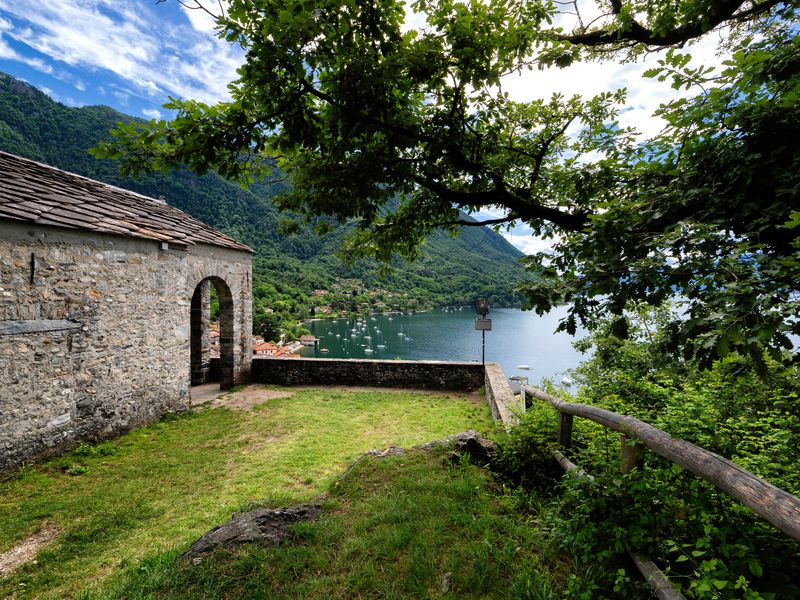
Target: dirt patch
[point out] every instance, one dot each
(251, 396)
(254, 442)
(26, 550)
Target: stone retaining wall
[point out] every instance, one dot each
(94, 333)
(506, 407)
(438, 375)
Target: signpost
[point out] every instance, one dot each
(483, 324)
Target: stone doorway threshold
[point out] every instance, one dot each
(206, 392)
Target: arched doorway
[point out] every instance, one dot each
(211, 342)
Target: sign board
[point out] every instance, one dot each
(483, 324)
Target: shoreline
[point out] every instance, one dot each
(395, 312)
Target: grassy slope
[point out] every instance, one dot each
(392, 529)
(162, 487)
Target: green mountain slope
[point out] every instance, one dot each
(287, 268)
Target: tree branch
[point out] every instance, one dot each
(636, 33)
(524, 210)
(464, 223)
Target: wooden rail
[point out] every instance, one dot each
(775, 505)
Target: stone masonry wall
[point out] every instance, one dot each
(506, 407)
(234, 270)
(438, 375)
(125, 362)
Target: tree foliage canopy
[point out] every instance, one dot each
(405, 130)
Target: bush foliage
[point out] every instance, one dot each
(708, 544)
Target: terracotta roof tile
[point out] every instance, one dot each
(36, 193)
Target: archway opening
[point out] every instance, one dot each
(211, 342)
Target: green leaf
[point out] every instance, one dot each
(755, 568)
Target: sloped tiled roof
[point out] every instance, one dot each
(35, 193)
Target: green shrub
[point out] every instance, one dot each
(709, 545)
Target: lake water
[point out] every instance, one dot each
(517, 338)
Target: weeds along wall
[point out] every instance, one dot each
(95, 333)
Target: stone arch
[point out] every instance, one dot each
(200, 342)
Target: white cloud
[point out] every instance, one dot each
(122, 97)
(490, 212)
(520, 234)
(589, 79)
(8, 53)
(201, 18)
(151, 113)
(413, 20)
(528, 244)
(155, 55)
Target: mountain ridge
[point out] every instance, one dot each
(287, 269)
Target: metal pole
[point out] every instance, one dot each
(483, 347)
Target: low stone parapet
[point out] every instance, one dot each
(506, 407)
(418, 374)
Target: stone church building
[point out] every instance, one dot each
(104, 309)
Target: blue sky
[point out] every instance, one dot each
(128, 54)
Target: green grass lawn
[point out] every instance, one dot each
(153, 491)
(392, 529)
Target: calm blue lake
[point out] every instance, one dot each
(517, 338)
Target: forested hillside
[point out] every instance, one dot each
(286, 268)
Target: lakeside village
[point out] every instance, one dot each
(273, 336)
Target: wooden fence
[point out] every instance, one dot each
(772, 503)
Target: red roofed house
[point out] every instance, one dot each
(308, 340)
(104, 309)
(284, 352)
(264, 348)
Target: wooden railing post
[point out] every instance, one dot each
(564, 429)
(631, 454)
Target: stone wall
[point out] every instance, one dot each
(124, 362)
(506, 407)
(439, 375)
(230, 273)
